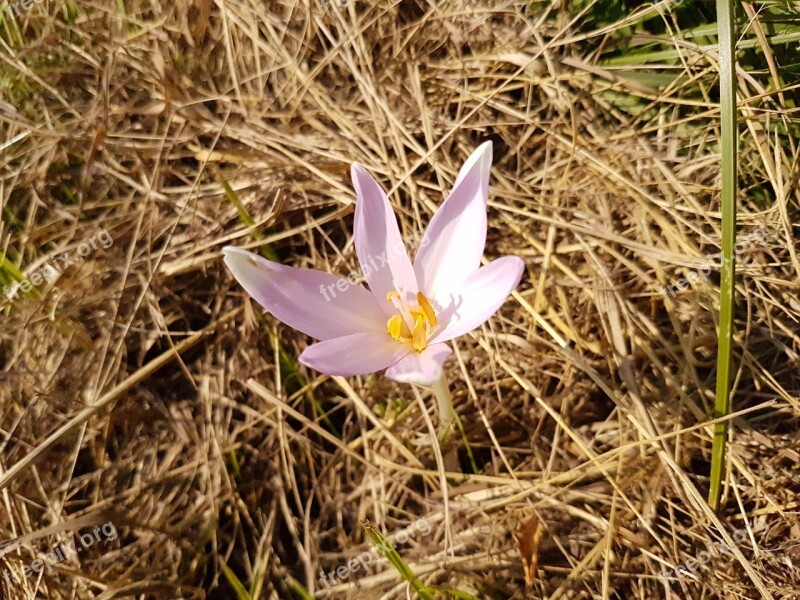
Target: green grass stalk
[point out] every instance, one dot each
(727, 101)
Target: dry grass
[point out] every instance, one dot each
(586, 400)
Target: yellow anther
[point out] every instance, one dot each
(426, 308)
(395, 326)
(392, 296)
(420, 337)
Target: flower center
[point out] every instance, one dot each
(411, 325)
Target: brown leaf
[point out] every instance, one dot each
(203, 16)
(529, 535)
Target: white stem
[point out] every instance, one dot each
(447, 415)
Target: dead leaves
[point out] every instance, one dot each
(529, 536)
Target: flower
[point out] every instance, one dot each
(402, 323)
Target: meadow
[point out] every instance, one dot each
(142, 387)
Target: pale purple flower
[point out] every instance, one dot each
(402, 323)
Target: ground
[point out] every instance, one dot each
(148, 403)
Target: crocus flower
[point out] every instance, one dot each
(403, 321)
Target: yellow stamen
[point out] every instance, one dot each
(395, 326)
(396, 300)
(420, 338)
(426, 308)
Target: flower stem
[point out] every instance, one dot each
(447, 415)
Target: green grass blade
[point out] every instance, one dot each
(464, 439)
(243, 214)
(424, 592)
(727, 101)
(8, 271)
(637, 59)
(233, 581)
(457, 594)
(397, 561)
(237, 471)
(266, 250)
(9, 28)
(298, 588)
(9, 274)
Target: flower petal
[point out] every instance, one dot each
(423, 368)
(316, 303)
(479, 296)
(381, 251)
(452, 246)
(355, 354)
